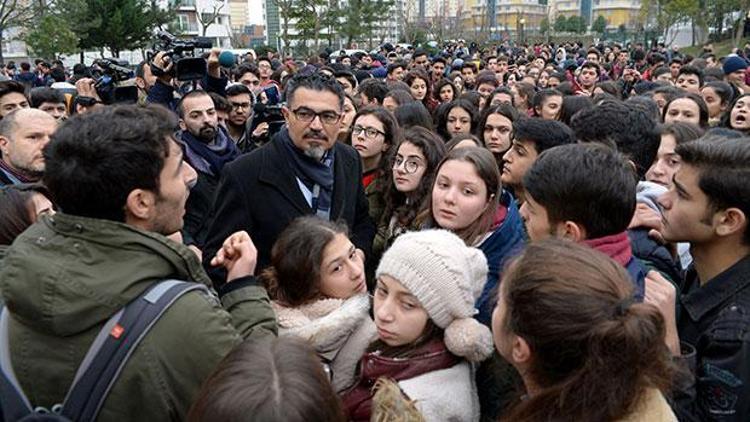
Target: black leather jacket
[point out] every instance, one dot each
(714, 326)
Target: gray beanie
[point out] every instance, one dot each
(447, 277)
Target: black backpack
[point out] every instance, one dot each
(102, 364)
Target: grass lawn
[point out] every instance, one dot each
(721, 48)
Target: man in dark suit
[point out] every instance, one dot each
(302, 171)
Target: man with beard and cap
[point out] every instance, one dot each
(301, 171)
(208, 148)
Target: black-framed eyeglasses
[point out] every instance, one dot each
(237, 106)
(306, 115)
(370, 132)
(411, 165)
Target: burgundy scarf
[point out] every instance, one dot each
(433, 356)
(21, 178)
(616, 246)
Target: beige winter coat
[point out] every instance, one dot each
(339, 330)
(653, 407)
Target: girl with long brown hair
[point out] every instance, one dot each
(316, 282)
(586, 351)
(467, 199)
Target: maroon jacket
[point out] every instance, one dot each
(432, 356)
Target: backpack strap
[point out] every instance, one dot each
(104, 360)
(113, 346)
(14, 404)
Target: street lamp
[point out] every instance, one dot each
(522, 22)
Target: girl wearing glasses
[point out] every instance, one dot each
(373, 131)
(412, 171)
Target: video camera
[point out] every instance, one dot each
(113, 71)
(268, 112)
(186, 67)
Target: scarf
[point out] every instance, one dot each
(430, 357)
(209, 159)
(616, 246)
(370, 177)
(311, 173)
(14, 175)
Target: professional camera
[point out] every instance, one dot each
(186, 67)
(268, 112)
(113, 71)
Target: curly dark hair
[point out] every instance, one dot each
(105, 155)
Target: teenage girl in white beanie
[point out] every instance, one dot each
(427, 283)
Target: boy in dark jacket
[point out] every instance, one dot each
(707, 333)
(584, 193)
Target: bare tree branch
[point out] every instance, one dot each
(218, 5)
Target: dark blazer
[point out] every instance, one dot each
(198, 210)
(259, 193)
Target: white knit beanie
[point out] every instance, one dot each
(447, 277)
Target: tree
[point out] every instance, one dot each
(374, 12)
(718, 11)
(561, 24)
(361, 18)
(576, 24)
(741, 24)
(349, 26)
(599, 25)
(263, 50)
(544, 26)
(206, 19)
(309, 20)
(16, 14)
(668, 13)
(410, 28)
(123, 24)
(330, 19)
(51, 36)
(286, 10)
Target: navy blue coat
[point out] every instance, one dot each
(506, 241)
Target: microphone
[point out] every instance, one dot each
(226, 59)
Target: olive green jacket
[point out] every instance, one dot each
(66, 275)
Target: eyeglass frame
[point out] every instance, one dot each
(399, 162)
(246, 106)
(316, 114)
(357, 129)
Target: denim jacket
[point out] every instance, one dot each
(713, 322)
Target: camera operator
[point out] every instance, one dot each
(144, 80)
(163, 91)
(87, 99)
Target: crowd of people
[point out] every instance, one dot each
(546, 232)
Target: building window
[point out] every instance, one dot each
(187, 22)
